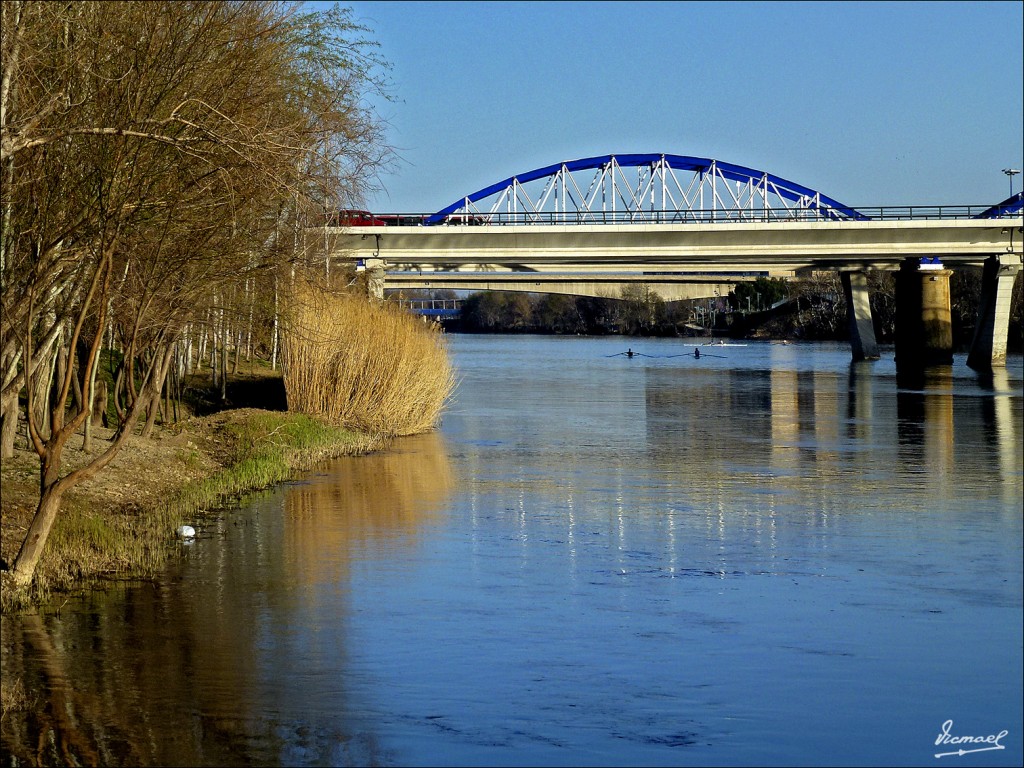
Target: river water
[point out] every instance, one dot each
(766, 555)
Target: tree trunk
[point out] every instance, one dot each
(119, 385)
(78, 399)
(52, 489)
(60, 371)
(43, 384)
(97, 406)
(214, 367)
(248, 332)
(8, 424)
(11, 379)
(155, 385)
(273, 349)
(238, 352)
(224, 367)
(100, 400)
(200, 350)
(39, 530)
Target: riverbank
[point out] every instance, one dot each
(121, 523)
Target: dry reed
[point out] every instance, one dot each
(364, 365)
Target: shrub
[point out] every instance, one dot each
(364, 365)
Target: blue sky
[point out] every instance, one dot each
(871, 103)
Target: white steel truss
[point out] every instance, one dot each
(644, 188)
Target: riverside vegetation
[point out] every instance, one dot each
(163, 346)
(373, 366)
(347, 392)
(121, 523)
(810, 308)
(163, 164)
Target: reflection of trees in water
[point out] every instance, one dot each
(173, 674)
(54, 731)
(365, 499)
(99, 681)
(691, 419)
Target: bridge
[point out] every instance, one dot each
(439, 308)
(670, 286)
(671, 220)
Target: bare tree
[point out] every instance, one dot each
(154, 155)
(641, 310)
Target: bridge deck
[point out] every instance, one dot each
(748, 245)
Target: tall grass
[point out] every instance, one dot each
(364, 365)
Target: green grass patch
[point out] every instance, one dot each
(258, 449)
(266, 448)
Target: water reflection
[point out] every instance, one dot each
(116, 682)
(157, 674)
(860, 400)
(1003, 431)
(357, 505)
(796, 442)
(603, 561)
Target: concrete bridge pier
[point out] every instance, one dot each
(988, 348)
(858, 314)
(375, 276)
(924, 325)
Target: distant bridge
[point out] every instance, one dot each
(440, 308)
(669, 286)
(670, 219)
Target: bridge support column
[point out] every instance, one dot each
(988, 348)
(924, 325)
(858, 316)
(375, 279)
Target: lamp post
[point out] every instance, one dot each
(1011, 172)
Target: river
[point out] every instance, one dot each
(761, 556)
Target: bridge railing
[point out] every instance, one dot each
(709, 216)
(422, 305)
(919, 212)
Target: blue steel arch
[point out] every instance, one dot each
(1011, 206)
(782, 187)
